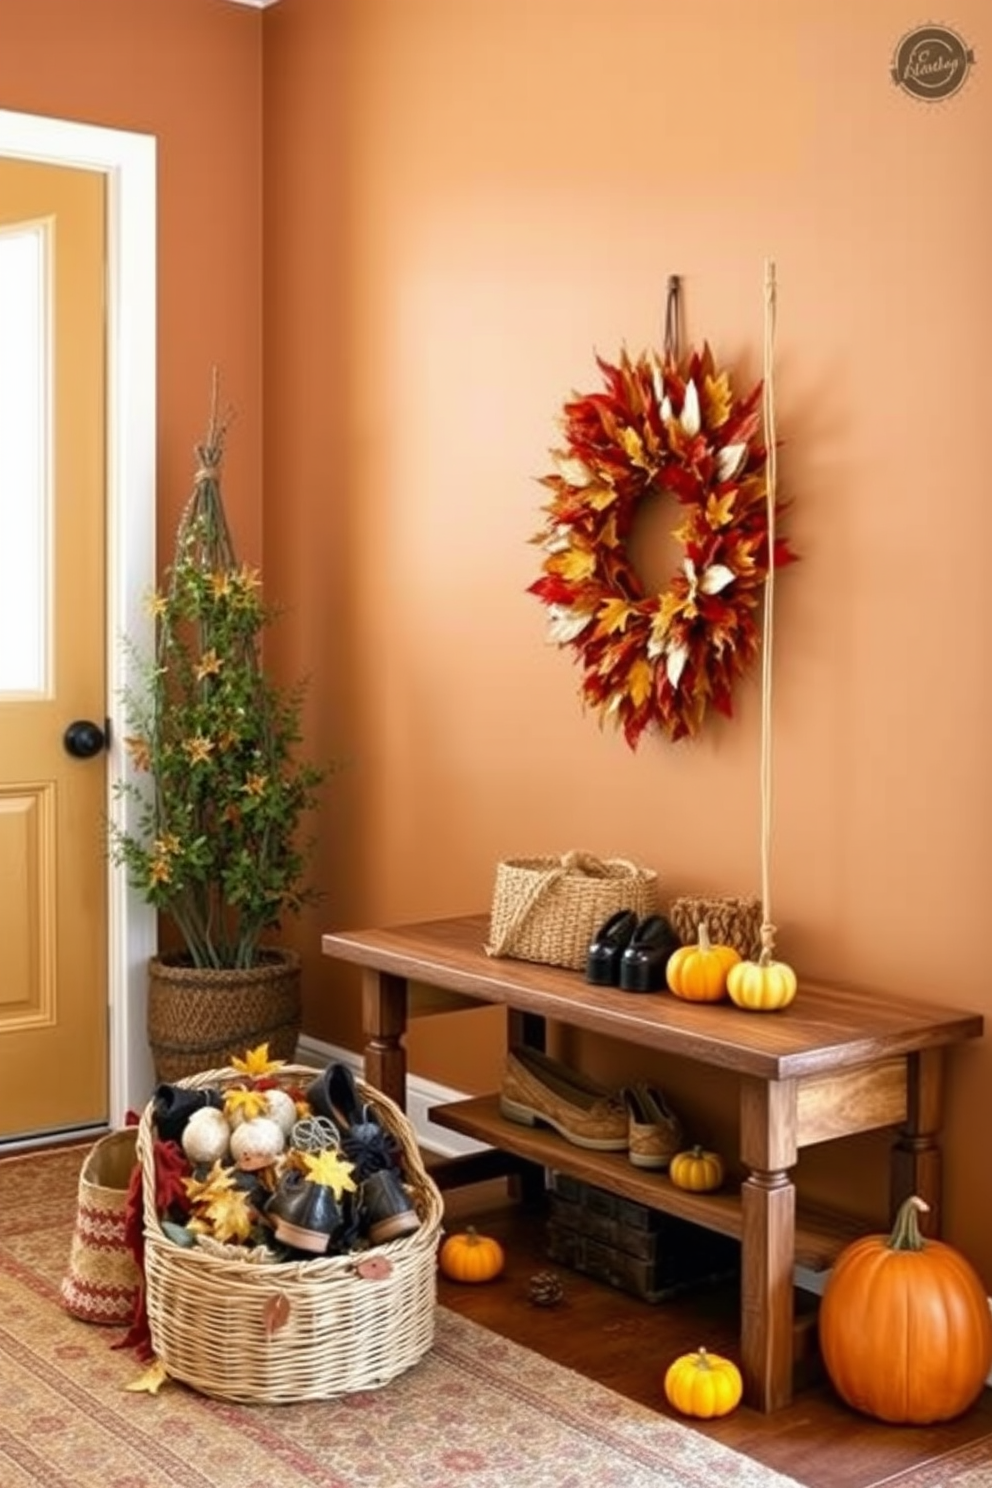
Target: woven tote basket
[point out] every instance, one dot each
(198, 1017)
(102, 1280)
(729, 921)
(259, 1333)
(549, 909)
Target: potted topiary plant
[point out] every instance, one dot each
(217, 800)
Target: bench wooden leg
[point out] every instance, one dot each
(768, 1237)
(384, 1024)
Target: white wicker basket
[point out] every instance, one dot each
(296, 1330)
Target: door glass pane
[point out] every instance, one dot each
(24, 463)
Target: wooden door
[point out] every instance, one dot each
(53, 861)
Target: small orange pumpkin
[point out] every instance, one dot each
(698, 973)
(905, 1330)
(696, 1170)
(703, 1385)
(469, 1256)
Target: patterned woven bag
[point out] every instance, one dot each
(102, 1282)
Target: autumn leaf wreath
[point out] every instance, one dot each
(663, 425)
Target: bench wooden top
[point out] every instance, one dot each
(825, 1028)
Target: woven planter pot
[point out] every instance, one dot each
(198, 1017)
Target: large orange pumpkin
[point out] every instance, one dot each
(905, 1330)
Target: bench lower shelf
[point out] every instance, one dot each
(820, 1235)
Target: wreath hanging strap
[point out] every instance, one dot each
(668, 425)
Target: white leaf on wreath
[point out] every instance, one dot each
(675, 663)
(716, 577)
(558, 539)
(729, 460)
(573, 470)
(657, 378)
(690, 419)
(565, 625)
(666, 408)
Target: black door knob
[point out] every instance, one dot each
(83, 739)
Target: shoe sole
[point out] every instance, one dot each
(393, 1227)
(527, 1116)
(309, 1240)
(649, 1162)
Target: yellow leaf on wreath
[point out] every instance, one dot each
(613, 616)
(576, 564)
(717, 400)
(633, 447)
(600, 497)
(640, 682)
(720, 510)
(151, 1381)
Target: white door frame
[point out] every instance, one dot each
(129, 163)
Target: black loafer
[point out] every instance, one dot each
(642, 965)
(607, 946)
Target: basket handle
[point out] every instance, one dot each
(585, 864)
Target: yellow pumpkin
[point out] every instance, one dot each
(696, 1170)
(703, 1385)
(469, 1256)
(761, 986)
(698, 973)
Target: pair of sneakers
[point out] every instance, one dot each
(631, 954)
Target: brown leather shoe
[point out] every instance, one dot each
(655, 1132)
(537, 1088)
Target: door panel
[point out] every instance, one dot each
(53, 903)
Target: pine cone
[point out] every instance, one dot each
(545, 1289)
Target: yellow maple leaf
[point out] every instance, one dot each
(720, 510)
(244, 1103)
(717, 400)
(151, 1380)
(229, 1215)
(575, 564)
(217, 1181)
(331, 1170)
(257, 1062)
(613, 616)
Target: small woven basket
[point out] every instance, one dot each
(729, 921)
(257, 1333)
(549, 909)
(102, 1280)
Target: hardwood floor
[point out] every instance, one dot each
(627, 1344)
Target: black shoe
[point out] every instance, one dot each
(642, 964)
(303, 1214)
(173, 1105)
(607, 946)
(364, 1140)
(385, 1207)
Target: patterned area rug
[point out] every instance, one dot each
(476, 1412)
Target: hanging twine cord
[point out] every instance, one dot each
(672, 319)
(771, 480)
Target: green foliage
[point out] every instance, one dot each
(218, 794)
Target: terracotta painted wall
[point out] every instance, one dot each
(464, 200)
(189, 73)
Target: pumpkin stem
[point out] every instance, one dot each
(906, 1230)
(703, 1359)
(703, 936)
(767, 944)
(471, 1235)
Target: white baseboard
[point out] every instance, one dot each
(422, 1094)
